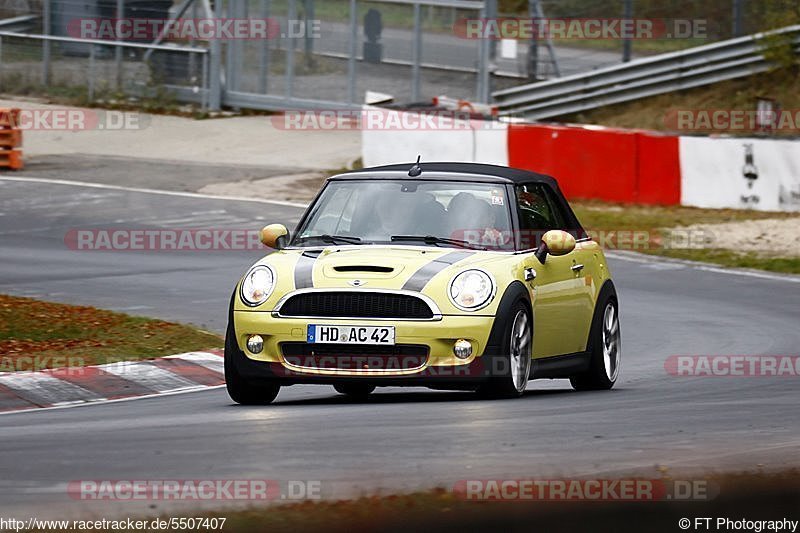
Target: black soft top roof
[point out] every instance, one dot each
(479, 172)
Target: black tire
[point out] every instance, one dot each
(358, 391)
(501, 382)
(597, 377)
(239, 389)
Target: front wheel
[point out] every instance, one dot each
(514, 366)
(605, 350)
(239, 389)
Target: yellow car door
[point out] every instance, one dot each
(562, 300)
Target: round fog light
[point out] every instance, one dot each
(462, 348)
(255, 343)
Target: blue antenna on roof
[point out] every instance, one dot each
(416, 170)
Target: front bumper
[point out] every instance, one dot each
(438, 336)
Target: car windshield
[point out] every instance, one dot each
(424, 213)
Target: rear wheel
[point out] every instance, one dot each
(239, 389)
(605, 349)
(514, 366)
(358, 391)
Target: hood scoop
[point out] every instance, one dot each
(364, 268)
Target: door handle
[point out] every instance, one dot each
(577, 267)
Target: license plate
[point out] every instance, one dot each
(318, 334)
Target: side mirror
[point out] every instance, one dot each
(274, 236)
(555, 242)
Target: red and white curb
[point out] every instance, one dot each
(62, 387)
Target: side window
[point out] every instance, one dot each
(538, 213)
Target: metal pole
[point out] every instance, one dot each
(215, 66)
(263, 54)
(626, 43)
(309, 39)
(118, 49)
(91, 72)
(46, 22)
(416, 54)
(533, 49)
(192, 61)
(483, 67)
(738, 6)
(290, 50)
(229, 50)
(204, 82)
(351, 61)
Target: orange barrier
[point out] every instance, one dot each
(10, 139)
(616, 165)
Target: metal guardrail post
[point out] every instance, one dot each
(351, 61)
(46, 23)
(416, 54)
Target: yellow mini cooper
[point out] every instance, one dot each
(444, 275)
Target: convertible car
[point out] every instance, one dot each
(444, 275)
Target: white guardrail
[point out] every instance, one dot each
(641, 78)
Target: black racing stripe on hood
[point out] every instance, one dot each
(421, 277)
(304, 269)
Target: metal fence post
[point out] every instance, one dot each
(215, 64)
(737, 17)
(91, 72)
(46, 23)
(416, 54)
(626, 43)
(483, 67)
(263, 53)
(118, 49)
(204, 81)
(351, 60)
(292, 16)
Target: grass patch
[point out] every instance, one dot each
(35, 335)
(598, 216)
(658, 112)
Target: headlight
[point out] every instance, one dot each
(471, 290)
(257, 285)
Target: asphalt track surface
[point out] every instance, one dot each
(401, 439)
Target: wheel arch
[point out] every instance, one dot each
(515, 291)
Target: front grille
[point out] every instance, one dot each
(355, 357)
(343, 304)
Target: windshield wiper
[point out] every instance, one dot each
(333, 239)
(432, 239)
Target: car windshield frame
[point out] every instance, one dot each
(498, 193)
